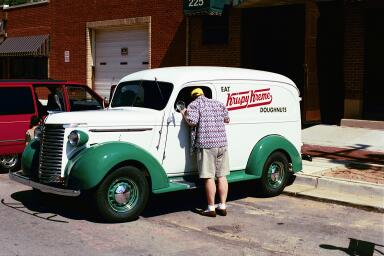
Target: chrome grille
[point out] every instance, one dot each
(51, 154)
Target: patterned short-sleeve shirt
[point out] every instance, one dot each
(209, 117)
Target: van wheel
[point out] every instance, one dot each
(10, 163)
(275, 174)
(122, 195)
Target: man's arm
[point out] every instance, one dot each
(226, 115)
(184, 113)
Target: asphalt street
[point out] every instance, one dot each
(32, 224)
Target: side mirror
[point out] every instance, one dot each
(180, 105)
(35, 120)
(105, 102)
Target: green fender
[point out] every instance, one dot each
(91, 165)
(265, 147)
(30, 158)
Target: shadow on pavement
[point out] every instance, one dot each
(357, 154)
(357, 248)
(52, 207)
(189, 200)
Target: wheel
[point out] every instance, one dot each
(122, 195)
(275, 174)
(10, 163)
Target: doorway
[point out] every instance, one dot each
(373, 107)
(273, 39)
(330, 43)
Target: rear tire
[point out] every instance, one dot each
(122, 195)
(275, 174)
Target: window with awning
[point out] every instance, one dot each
(37, 45)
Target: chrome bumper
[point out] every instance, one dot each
(18, 177)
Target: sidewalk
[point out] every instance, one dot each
(347, 166)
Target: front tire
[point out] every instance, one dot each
(122, 195)
(275, 174)
(10, 163)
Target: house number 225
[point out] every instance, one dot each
(193, 3)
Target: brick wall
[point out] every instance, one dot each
(216, 54)
(354, 50)
(354, 59)
(65, 21)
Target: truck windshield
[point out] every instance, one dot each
(142, 94)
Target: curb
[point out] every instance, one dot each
(369, 208)
(341, 185)
(357, 194)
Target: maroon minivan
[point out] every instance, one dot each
(25, 103)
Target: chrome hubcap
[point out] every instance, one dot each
(8, 161)
(276, 174)
(123, 194)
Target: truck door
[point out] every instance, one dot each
(178, 158)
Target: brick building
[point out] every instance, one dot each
(330, 48)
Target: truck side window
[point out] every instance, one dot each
(185, 94)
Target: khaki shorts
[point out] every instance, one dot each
(212, 162)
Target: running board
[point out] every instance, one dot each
(176, 184)
(180, 181)
(192, 182)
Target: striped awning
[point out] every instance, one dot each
(37, 45)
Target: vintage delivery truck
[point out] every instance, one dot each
(141, 144)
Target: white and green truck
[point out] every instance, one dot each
(141, 145)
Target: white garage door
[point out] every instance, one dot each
(118, 53)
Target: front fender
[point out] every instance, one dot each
(30, 158)
(91, 165)
(265, 147)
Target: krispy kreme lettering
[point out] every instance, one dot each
(248, 99)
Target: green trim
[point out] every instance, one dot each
(234, 176)
(87, 169)
(265, 147)
(240, 175)
(171, 188)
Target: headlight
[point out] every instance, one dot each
(74, 138)
(77, 138)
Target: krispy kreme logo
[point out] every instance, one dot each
(248, 99)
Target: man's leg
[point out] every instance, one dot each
(210, 190)
(222, 187)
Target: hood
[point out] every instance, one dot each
(108, 117)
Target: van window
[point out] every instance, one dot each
(16, 100)
(185, 94)
(55, 99)
(142, 94)
(80, 99)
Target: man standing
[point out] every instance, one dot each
(209, 117)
